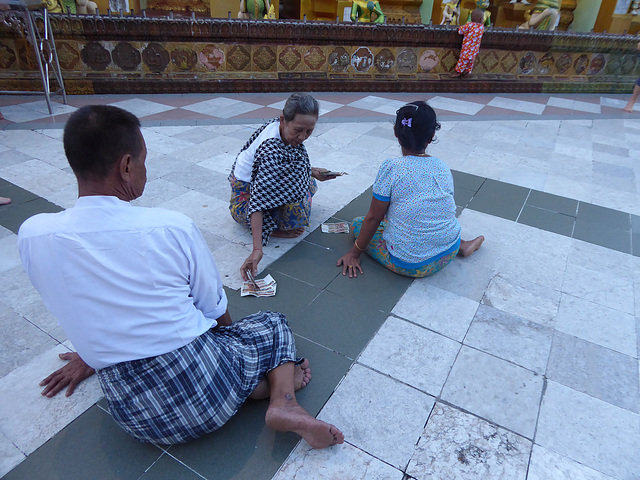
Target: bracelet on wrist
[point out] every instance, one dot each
(358, 246)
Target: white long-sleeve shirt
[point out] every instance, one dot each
(124, 282)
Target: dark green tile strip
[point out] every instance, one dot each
(580, 220)
(24, 204)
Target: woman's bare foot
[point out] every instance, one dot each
(301, 378)
(296, 232)
(286, 415)
(467, 247)
(4, 200)
(628, 109)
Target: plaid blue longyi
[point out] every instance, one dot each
(194, 390)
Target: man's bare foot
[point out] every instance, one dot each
(628, 109)
(296, 232)
(4, 200)
(286, 415)
(301, 375)
(467, 247)
(301, 378)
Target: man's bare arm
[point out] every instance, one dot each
(71, 375)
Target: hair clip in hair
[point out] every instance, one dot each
(407, 122)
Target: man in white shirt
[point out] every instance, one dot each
(139, 295)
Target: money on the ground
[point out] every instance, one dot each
(340, 227)
(265, 287)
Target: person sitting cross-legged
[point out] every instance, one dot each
(138, 293)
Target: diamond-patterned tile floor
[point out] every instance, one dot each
(520, 362)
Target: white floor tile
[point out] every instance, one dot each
(341, 461)
(517, 105)
(594, 433)
(454, 105)
(495, 390)
(456, 445)
(546, 464)
(142, 108)
(399, 343)
(361, 406)
(436, 309)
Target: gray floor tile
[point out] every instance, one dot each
(339, 243)
(357, 321)
(595, 370)
(243, 448)
(168, 468)
(605, 217)
(495, 389)
(635, 223)
(309, 263)
(635, 244)
(13, 217)
(16, 194)
(510, 337)
(547, 220)
(602, 235)
(463, 196)
(466, 180)
(499, 199)
(357, 207)
(327, 369)
(553, 203)
(379, 287)
(94, 447)
(292, 297)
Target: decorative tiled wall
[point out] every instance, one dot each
(137, 55)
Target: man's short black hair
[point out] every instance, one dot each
(97, 136)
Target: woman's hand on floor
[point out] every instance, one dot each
(350, 263)
(251, 263)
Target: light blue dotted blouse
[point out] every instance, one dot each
(421, 219)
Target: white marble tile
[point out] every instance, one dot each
(573, 105)
(362, 404)
(19, 113)
(20, 341)
(58, 108)
(495, 389)
(159, 191)
(534, 302)
(222, 107)
(27, 418)
(454, 105)
(142, 108)
(156, 142)
(545, 465)
(594, 433)
(511, 338)
(456, 445)
(517, 105)
(42, 148)
(600, 259)
(341, 461)
(9, 255)
(10, 455)
(466, 279)
(598, 324)
(395, 346)
(616, 103)
(602, 287)
(436, 309)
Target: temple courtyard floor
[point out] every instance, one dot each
(519, 362)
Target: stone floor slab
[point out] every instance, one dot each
(594, 433)
(456, 445)
(496, 390)
(361, 405)
(546, 464)
(400, 344)
(341, 461)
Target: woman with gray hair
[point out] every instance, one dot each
(271, 179)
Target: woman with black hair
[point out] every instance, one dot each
(421, 233)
